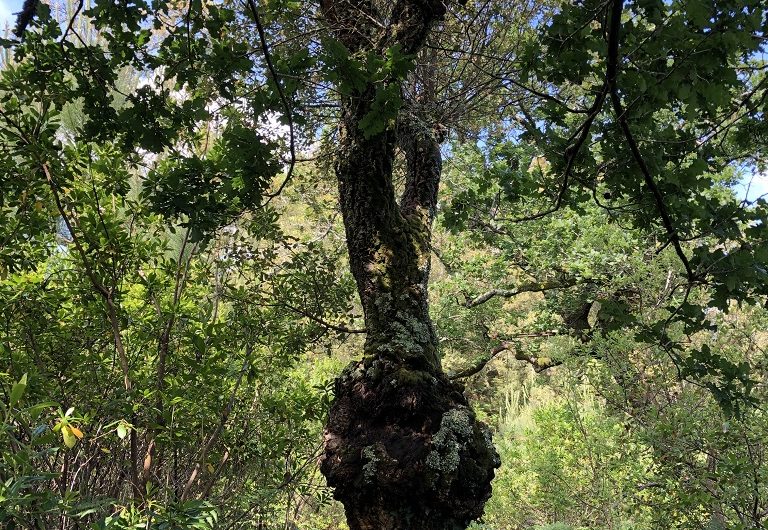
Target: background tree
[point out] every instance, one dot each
(144, 307)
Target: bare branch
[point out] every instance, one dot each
(536, 287)
(318, 320)
(539, 364)
(479, 365)
(72, 20)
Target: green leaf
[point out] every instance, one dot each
(384, 109)
(199, 343)
(18, 390)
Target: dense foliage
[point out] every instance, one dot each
(176, 300)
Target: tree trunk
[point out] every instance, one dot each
(403, 450)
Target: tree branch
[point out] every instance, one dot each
(424, 167)
(286, 104)
(318, 320)
(539, 364)
(611, 74)
(412, 20)
(571, 152)
(537, 287)
(223, 417)
(479, 364)
(24, 17)
(112, 309)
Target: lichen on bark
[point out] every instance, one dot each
(403, 449)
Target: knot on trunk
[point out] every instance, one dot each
(403, 450)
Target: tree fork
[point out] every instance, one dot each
(403, 450)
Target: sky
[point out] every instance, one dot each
(752, 187)
(7, 9)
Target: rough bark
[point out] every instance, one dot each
(403, 450)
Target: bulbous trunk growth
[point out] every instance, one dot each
(403, 450)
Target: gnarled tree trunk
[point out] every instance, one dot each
(403, 450)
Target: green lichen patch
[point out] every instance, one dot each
(371, 459)
(454, 435)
